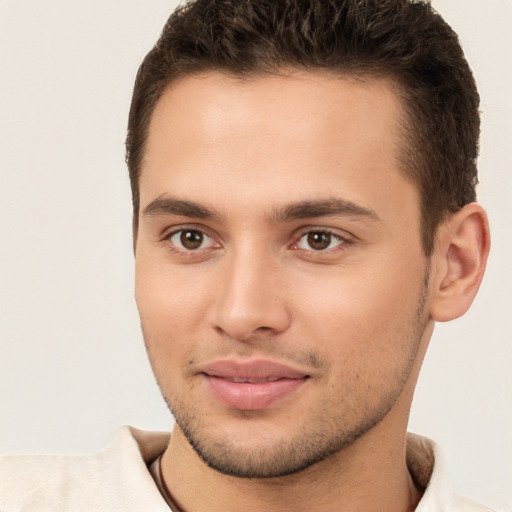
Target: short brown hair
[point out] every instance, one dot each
(406, 41)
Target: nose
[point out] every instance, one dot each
(251, 298)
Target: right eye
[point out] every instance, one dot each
(191, 240)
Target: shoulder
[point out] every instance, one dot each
(428, 469)
(464, 505)
(113, 479)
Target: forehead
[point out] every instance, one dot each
(293, 137)
(302, 106)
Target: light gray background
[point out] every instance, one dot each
(72, 364)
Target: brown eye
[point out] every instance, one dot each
(319, 241)
(190, 239)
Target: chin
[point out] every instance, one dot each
(235, 452)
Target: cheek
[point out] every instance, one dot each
(171, 305)
(361, 319)
(167, 318)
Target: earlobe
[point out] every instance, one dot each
(460, 258)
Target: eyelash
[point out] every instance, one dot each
(167, 238)
(345, 240)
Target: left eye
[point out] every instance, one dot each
(319, 241)
(191, 239)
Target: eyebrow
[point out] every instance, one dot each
(329, 207)
(322, 208)
(164, 205)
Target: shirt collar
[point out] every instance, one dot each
(425, 462)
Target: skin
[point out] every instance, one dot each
(356, 316)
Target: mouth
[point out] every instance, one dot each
(251, 381)
(252, 385)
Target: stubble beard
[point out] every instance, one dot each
(323, 436)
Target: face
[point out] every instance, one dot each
(280, 277)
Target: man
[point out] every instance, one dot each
(303, 178)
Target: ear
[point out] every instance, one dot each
(460, 257)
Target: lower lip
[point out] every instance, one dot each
(251, 396)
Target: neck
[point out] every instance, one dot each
(348, 480)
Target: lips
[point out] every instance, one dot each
(252, 385)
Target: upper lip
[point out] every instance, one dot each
(252, 369)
